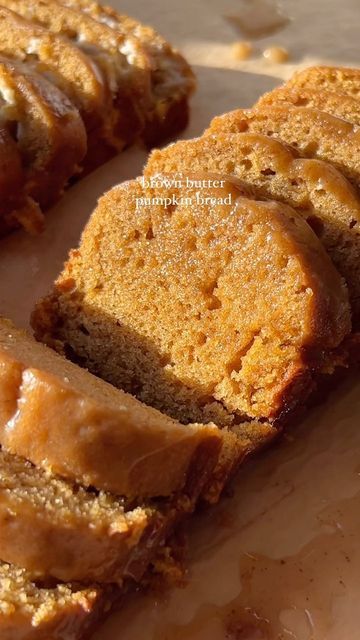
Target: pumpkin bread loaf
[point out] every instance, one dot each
(63, 419)
(172, 80)
(31, 611)
(339, 79)
(314, 133)
(338, 104)
(315, 189)
(55, 529)
(50, 133)
(242, 306)
(119, 58)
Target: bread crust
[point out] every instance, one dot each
(172, 80)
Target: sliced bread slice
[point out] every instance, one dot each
(120, 59)
(63, 419)
(315, 133)
(55, 529)
(62, 62)
(339, 79)
(314, 188)
(172, 80)
(338, 104)
(49, 131)
(242, 306)
(29, 611)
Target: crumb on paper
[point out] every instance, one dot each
(242, 50)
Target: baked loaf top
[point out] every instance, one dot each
(339, 79)
(55, 529)
(240, 307)
(51, 136)
(338, 104)
(315, 189)
(315, 133)
(62, 418)
(33, 612)
(172, 80)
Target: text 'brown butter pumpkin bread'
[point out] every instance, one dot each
(242, 306)
(339, 79)
(119, 59)
(315, 189)
(49, 131)
(29, 611)
(338, 104)
(316, 134)
(55, 529)
(172, 80)
(61, 418)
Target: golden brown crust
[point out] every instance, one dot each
(337, 104)
(314, 188)
(340, 79)
(68, 67)
(315, 134)
(99, 436)
(172, 79)
(120, 60)
(51, 135)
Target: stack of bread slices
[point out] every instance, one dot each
(78, 83)
(207, 302)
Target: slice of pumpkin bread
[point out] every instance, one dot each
(338, 104)
(340, 79)
(242, 306)
(172, 80)
(55, 529)
(49, 131)
(314, 133)
(29, 611)
(63, 419)
(315, 189)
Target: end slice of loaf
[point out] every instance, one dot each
(172, 80)
(55, 529)
(62, 418)
(320, 194)
(29, 611)
(315, 133)
(339, 79)
(241, 308)
(337, 104)
(50, 133)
